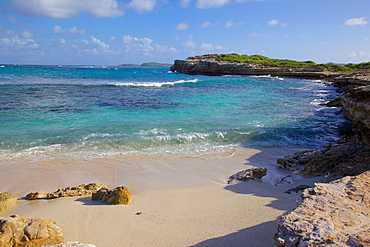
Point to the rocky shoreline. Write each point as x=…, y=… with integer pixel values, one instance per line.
x=328, y=214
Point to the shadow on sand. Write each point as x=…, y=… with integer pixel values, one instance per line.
x=261, y=235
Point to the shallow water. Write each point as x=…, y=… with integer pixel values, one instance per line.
x=89, y=112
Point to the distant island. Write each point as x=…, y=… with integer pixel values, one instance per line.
x=149, y=64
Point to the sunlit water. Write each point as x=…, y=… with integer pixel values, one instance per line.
x=88, y=112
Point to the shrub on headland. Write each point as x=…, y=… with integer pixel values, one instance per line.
x=285, y=63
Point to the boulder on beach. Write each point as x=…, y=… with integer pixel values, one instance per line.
x=7, y=200
x=81, y=190
x=255, y=173
x=119, y=195
x=18, y=232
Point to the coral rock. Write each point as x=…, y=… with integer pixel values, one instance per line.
x=81, y=190
x=7, y=200
x=119, y=195
x=329, y=214
x=18, y=232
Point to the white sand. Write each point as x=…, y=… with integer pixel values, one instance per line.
x=183, y=202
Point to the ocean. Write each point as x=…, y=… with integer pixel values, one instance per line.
x=86, y=112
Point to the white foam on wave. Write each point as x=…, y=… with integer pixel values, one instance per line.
x=152, y=84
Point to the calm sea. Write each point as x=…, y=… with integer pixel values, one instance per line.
x=88, y=112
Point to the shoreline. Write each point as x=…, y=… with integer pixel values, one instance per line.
x=184, y=201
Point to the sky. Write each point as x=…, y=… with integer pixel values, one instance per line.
x=112, y=32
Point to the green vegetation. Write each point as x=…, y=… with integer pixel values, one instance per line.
x=286, y=63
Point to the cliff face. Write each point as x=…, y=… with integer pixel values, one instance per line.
x=212, y=67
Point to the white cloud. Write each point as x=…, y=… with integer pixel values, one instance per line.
x=103, y=46
x=184, y=3
x=27, y=35
x=127, y=39
x=229, y=24
x=272, y=22
x=206, y=4
x=356, y=21
x=182, y=26
x=66, y=8
x=71, y=31
x=142, y=6
x=144, y=46
x=15, y=43
x=206, y=24
x=207, y=47
x=360, y=56
x=189, y=44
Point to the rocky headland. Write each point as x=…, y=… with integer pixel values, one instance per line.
x=328, y=214
x=211, y=66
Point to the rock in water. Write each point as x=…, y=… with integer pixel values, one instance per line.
x=7, y=200
x=81, y=190
x=119, y=195
x=254, y=173
x=329, y=214
x=18, y=232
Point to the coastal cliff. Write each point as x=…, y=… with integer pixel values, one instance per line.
x=210, y=66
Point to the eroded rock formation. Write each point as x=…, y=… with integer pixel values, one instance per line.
x=18, y=232
x=210, y=66
x=119, y=195
x=329, y=214
x=81, y=190
x=7, y=201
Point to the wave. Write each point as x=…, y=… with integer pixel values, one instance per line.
x=152, y=84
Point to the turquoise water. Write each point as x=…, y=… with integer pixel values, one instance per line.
x=88, y=112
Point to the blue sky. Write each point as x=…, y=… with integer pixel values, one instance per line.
x=111, y=32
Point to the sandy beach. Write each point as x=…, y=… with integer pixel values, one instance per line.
x=183, y=201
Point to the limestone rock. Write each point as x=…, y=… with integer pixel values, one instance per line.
x=346, y=157
x=254, y=173
x=70, y=244
x=7, y=200
x=208, y=65
x=119, y=195
x=329, y=214
x=81, y=190
x=18, y=232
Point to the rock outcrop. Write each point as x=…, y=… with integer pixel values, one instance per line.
x=18, y=232
x=255, y=173
x=119, y=195
x=351, y=154
x=7, y=201
x=81, y=190
x=329, y=214
x=70, y=244
x=210, y=66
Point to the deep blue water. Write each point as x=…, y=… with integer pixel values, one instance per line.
x=82, y=112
